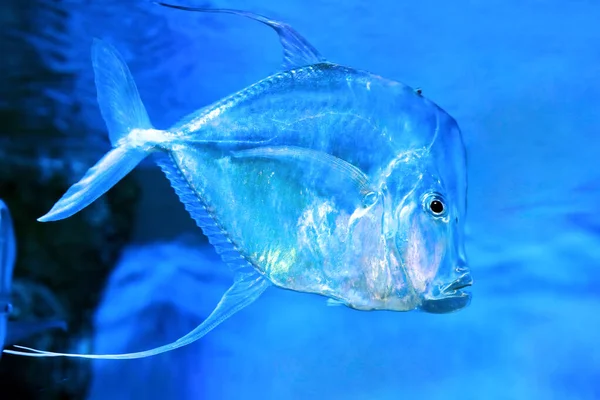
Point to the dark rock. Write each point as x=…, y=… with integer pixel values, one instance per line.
x=45, y=146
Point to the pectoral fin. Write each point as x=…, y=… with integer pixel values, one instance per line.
x=334, y=303
x=331, y=165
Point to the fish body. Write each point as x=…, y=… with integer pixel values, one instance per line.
x=298, y=230
x=320, y=179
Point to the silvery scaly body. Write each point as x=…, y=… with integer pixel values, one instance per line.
x=320, y=179
x=13, y=331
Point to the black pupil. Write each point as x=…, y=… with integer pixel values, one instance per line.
x=437, y=206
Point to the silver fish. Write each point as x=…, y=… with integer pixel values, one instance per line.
x=13, y=331
x=319, y=179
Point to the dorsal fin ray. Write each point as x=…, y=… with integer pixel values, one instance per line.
x=297, y=51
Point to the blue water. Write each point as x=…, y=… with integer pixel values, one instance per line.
x=522, y=78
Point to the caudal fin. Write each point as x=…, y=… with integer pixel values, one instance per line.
x=118, y=97
x=125, y=118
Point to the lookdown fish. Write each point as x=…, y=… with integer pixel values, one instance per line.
x=320, y=178
x=13, y=331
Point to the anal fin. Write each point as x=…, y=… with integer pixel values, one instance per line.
x=247, y=287
x=197, y=210
x=248, y=284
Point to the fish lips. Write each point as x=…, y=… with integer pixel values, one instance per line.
x=449, y=298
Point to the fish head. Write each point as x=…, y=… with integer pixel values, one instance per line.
x=428, y=208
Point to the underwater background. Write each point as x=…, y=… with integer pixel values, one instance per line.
x=132, y=271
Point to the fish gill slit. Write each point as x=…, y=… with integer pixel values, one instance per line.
x=205, y=219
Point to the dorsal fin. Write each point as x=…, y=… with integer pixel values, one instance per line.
x=297, y=51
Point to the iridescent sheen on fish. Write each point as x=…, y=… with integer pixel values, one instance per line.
x=320, y=179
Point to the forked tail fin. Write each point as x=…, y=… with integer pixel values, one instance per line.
x=131, y=133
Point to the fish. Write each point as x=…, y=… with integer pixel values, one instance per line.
x=320, y=178
x=14, y=331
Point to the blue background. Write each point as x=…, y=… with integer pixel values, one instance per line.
x=522, y=80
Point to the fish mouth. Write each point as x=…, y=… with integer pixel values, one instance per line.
x=456, y=286
x=450, y=297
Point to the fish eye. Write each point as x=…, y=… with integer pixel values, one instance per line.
x=434, y=203
x=436, y=207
